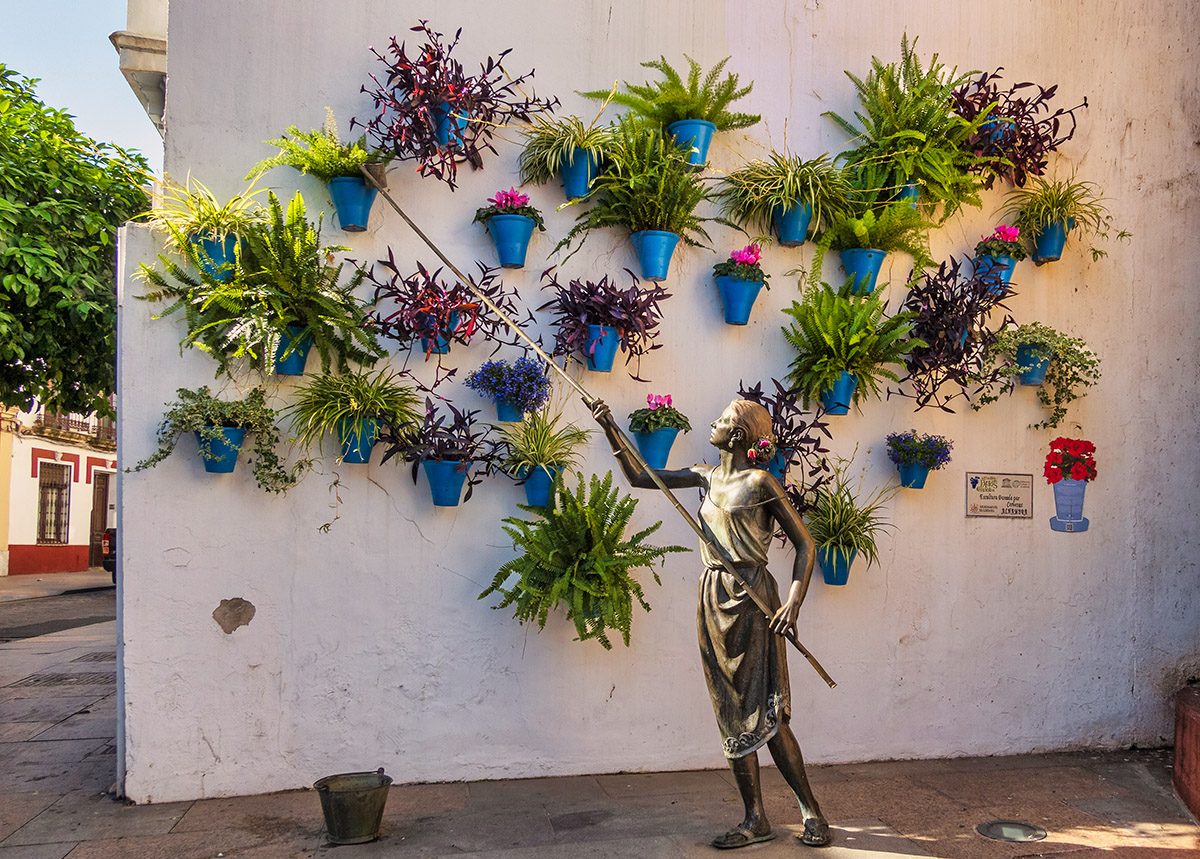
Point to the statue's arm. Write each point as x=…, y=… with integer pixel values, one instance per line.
x=639, y=478
x=798, y=535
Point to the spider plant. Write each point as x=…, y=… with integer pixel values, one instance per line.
x=338, y=403
x=845, y=517
x=191, y=211
x=539, y=441
x=1076, y=203
x=551, y=143
x=749, y=196
x=647, y=185
x=674, y=99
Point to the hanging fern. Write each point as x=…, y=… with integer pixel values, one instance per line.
x=577, y=555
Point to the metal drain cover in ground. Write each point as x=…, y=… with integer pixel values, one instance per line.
x=1010, y=830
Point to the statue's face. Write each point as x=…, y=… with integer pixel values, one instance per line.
x=723, y=430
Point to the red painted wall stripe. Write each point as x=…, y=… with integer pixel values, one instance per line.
x=40, y=453
x=31, y=560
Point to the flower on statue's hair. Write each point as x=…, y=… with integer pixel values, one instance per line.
x=751, y=454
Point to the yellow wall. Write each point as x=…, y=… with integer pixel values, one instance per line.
x=7, y=423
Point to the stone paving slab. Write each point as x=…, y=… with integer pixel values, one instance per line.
x=43, y=708
x=37, y=851
x=95, y=817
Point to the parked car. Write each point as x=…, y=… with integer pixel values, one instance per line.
x=108, y=550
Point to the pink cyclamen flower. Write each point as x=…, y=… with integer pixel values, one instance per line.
x=749, y=255
x=510, y=199
x=652, y=401
x=1007, y=234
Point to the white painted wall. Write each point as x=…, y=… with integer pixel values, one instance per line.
x=24, y=491
x=975, y=637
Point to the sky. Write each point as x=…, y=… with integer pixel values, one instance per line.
x=65, y=43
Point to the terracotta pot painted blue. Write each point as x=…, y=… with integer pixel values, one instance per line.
x=442, y=346
x=511, y=234
x=837, y=399
x=654, y=249
x=999, y=128
x=224, y=451
x=445, y=480
x=292, y=354
x=655, y=446
x=540, y=484
x=737, y=297
x=1068, y=506
x=908, y=193
x=352, y=199
x=792, y=224
x=445, y=119
x=835, y=563
x=507, y=412
x=1000, y=268
x=1029, y=356
x=912, y=476
x=863, y=264
x=694, y=135
x=603, y=343
x=217, y=257
x=1050, y=241
x=357, y=439
x=577, y=175
x=778, y=463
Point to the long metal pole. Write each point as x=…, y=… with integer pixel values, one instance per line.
x=628, y=447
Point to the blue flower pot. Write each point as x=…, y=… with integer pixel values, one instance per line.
x=909, y=193
x=778, y=463
x=445, y=119
x=1050, y=241
x=352, y=199
x=999, y=128
x=507, y=412
x=1068, y=506
x=792, y=224
x=1028, y=356
x=603, y=343
x=540, y=484
x=912, y=476
x=694, y=135
x=292, y=354
x=511, y=234
x=737, y=297
x=445, y=480
x=999, y=268
x=835, y=563
x=655, y=446
x=442, y=346
x=216, y=257
x=837, y=399
x=224, y=451
x=863, y=265
x=654, y=249
x=577, y=175
x=357, y=439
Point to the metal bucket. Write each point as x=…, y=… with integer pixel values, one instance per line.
x=353, y=805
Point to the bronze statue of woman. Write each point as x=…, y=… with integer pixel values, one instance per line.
x=745, y=660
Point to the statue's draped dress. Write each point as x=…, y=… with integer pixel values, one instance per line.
x=745, y=663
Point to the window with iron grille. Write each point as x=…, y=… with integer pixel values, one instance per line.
x=54, y=502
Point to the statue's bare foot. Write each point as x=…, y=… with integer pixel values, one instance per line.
x=816, y=833
x=745, y=833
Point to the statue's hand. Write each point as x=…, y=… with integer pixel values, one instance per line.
x=603, y=414
x=784, y=620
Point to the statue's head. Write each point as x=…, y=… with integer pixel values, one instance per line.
x=743, y=424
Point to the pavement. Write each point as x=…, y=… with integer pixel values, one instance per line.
x=58, y=765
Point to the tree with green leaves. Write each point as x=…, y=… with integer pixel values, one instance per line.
x=62, y=197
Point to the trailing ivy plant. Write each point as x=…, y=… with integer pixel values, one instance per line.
x=576, y=554
x=749, y=195
x=798, y=436
x=896, y=227
x=412, y=94
x=950, y=309
x=634, y=311
x=1073, y=368
x=674, y=98
x=836, y=331
x=647, y=184
x=911, y=135
x=283, y=278
x=319, y=152
x=1016, y=138
x=200, y=412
